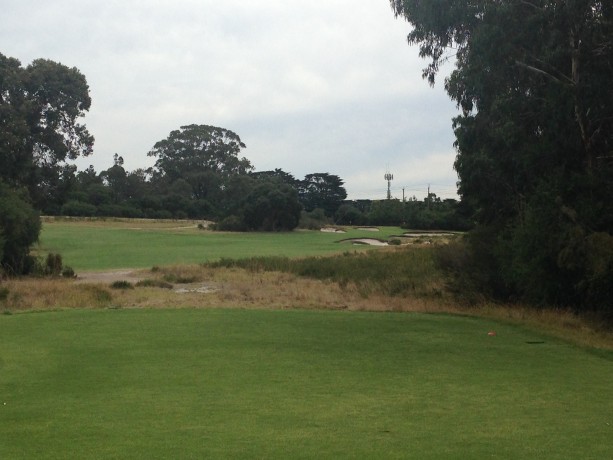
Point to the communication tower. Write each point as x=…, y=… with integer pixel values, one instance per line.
x=389, y=177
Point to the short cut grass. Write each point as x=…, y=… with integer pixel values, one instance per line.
x=295, y=384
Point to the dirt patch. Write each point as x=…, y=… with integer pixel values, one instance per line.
x=132, y=276
x=198, y=289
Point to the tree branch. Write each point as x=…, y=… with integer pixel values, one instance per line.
x=536, y=7
x=543, y=72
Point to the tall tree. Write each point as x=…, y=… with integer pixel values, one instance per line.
x=194, y=149
x=40, y=110
x=535, y=137
x=276, y=175
x=322, y=190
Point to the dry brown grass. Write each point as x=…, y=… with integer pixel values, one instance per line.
x=199, y=287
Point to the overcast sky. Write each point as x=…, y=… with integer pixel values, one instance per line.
x=318, y=86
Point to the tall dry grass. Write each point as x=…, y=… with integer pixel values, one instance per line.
x=410, y=289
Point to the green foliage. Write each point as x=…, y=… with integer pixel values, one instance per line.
x=347, y=214
x=4, y=293
x=272, y=207
x=322, y=190
x=199, y=149
x=179, y=278
x=19, y=229
x=40, y=106
x=122, y=285
x=53, y=264
x=471, y=274
x=534, y=140
x=231, y=224
x=387, y=212
x=78, y=209
x=154, y=283
x=68, y=272
x=278, y=176
x=314, y=220
x=430, y=214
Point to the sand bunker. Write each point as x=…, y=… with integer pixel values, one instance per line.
x=368, y=229
x=425, y=234
x=369, y=241
x=332, y=230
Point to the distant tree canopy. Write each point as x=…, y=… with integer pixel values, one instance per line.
x=194, y=149
x=322, y=190
x=272, y=207
x=431, y=213
x=534, y=139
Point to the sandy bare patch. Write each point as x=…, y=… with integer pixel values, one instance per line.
x=108, y=277
x=198, y=289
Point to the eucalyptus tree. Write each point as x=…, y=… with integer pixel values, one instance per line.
x=534, y=138
x=41, y=107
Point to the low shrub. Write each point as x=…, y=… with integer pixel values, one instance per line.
x=122, y=285
x=53, y=264
x=179, y=279
x=181, y=274
x=231, y=224
x=314, y=220
x=154, y=283
x=97, y=296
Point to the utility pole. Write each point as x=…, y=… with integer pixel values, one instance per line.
x=428, y=197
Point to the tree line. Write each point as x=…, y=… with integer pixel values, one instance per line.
x=199, y=173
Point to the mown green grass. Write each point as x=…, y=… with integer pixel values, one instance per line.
x=295, y=384
x=98, y=247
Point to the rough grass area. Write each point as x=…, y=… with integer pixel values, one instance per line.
x=403, y=271
x=295, y=384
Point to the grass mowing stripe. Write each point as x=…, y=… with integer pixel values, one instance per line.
x=249, y=383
